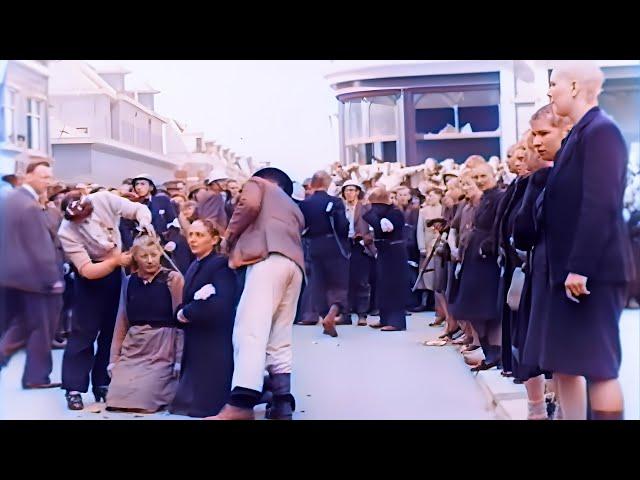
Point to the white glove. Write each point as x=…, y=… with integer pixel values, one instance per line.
x=386, y=225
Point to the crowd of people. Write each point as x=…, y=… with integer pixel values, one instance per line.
x=191, y=291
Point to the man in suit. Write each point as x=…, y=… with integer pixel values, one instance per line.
x=327, y=231
x=588, y=250
x=212, y=200
x=162, y=210
x=264, y=235
x=32, y=275
x=362, y=251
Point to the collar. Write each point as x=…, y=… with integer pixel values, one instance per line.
x=30, y=189
x=585, y=120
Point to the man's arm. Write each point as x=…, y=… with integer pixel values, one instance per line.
x=246, y=211
x=122, y=207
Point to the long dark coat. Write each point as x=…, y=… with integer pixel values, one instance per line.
x=391, y=264
x=207, y=364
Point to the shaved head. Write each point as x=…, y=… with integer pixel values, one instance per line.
x=574, y=88
x=587, y=74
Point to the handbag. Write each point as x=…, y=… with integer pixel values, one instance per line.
x=515, y=289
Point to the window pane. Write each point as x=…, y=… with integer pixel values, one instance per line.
x=33, y=133
x=353, y=117
x=34, y=106
x=8, y=122
x=382, y=116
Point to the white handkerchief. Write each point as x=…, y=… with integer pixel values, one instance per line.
x=161, y=212
x=386, y=225
x=205, y=292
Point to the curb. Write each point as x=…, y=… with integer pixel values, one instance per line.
x=509, y=400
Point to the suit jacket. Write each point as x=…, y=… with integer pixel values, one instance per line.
x=362, y=228
x=583, y=225
x=162, y=211
x=316, y=218
x=377, y=212
x=265, y=220
x=28, y=256
x=213, y=208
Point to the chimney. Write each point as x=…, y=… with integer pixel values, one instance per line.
x=114, y=76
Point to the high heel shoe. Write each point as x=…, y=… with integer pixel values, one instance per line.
x=100, y=393
x=74, y=401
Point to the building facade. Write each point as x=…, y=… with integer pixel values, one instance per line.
x=101, y=131
x=413, y=110
x=24, y=115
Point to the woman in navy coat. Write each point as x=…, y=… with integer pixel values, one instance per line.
x=207, y=315
x=391, y=264
x=588, y=249
x=477, y=296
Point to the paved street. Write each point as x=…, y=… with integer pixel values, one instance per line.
x=362, y=374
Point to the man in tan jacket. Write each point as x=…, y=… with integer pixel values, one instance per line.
x=264, y=234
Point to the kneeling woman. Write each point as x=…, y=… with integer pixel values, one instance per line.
x=207, y=315
x=147, y=347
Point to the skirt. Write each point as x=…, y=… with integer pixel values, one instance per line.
x=144, y=378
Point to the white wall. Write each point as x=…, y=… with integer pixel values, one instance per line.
x=27, y=84
x=274, y=111
x=76, y=113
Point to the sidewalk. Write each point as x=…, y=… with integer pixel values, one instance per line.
x=510, y=400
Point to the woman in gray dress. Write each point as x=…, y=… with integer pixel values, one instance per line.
x=147, y=347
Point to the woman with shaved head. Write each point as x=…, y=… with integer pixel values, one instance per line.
x=588, y=251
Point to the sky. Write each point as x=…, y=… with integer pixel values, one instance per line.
x=273, y=111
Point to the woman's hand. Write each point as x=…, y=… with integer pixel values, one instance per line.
x=181, y=317
x=575, y=285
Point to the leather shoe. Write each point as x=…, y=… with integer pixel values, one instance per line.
x=41, y=386
x=329, y=322
x=376, y=325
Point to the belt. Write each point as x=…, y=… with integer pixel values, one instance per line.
x=394, y=242
x=326, y=235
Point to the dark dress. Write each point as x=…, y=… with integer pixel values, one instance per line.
x=146, y=347
x=478, y=291
x=207, y=363
x=585, y=233
x=391, y=264
x=525, y=342
x=453, y=283
x=509, y=261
